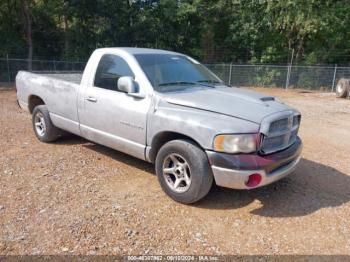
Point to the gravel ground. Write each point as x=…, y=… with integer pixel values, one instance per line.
x=76, y=197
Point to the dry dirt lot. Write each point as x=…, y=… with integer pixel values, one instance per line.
x=76, y=197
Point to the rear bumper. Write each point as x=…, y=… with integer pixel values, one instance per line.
x=233, y=171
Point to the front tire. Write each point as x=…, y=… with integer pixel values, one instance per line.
x=183, y=171
x=43, y=127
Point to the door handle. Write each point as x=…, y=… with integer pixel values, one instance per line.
x=91, y=99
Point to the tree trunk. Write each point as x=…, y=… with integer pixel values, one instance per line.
x=208, y=43
x=131, y=22
x=131, y=39
x=28, y=29
x=300, y=48
x=66, y=27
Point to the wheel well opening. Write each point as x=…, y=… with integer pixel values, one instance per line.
x=33, y=102
x=163, y=138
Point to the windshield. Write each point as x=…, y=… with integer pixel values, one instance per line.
x=168, y=72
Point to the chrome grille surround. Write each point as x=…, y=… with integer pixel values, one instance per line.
x=279, y=131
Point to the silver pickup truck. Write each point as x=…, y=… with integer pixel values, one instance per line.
x=166, y=108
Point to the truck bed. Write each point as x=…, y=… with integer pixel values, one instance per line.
x=58, y=91
x=69, y=77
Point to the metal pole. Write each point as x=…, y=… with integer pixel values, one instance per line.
x=334, y=75
x=8, y=68
x=287, y=79
x=289, y=69
x=229, y=81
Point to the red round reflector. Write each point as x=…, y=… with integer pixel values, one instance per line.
x=254, y=180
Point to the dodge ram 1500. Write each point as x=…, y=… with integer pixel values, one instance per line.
x=168, y=109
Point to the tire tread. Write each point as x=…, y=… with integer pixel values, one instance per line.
x=52, y=132
x=203, y=180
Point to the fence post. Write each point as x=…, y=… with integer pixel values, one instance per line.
x=289, y=69
x=334, y=76
x=229, y=80
x=288, y=75
x=8, y=68
x=54, y=66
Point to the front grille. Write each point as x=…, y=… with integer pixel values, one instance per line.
x=281, y=134
x=293, y=137
x=279, y=125
x=296, y=120
x=271, y=144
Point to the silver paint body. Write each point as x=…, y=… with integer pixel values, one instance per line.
x=130, y=124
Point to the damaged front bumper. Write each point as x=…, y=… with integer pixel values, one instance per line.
x=235, y=171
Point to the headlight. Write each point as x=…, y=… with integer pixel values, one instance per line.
x=245, y=143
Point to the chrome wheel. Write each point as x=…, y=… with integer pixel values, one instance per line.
x=177, y=173
x=39, y=122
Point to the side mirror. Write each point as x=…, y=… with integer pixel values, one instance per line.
x=127, y=84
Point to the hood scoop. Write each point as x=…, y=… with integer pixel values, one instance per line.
x=267, y=99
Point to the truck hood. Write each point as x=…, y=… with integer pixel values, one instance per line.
x=235, y=102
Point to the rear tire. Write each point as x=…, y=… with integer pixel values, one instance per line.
x=43, y=127
x=343, y=88
x=184, y=161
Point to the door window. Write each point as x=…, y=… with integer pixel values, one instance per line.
x=109, y=70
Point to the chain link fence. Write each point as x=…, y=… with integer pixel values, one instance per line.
x=321, y=78
x=9, y=67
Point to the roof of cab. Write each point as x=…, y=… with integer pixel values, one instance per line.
x=134, y=50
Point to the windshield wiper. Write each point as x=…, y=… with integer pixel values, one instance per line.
x=177, y=83
x=208, y=81
x=200, y=82
x=204, y=81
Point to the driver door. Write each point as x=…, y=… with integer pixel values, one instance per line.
x=111, y=117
